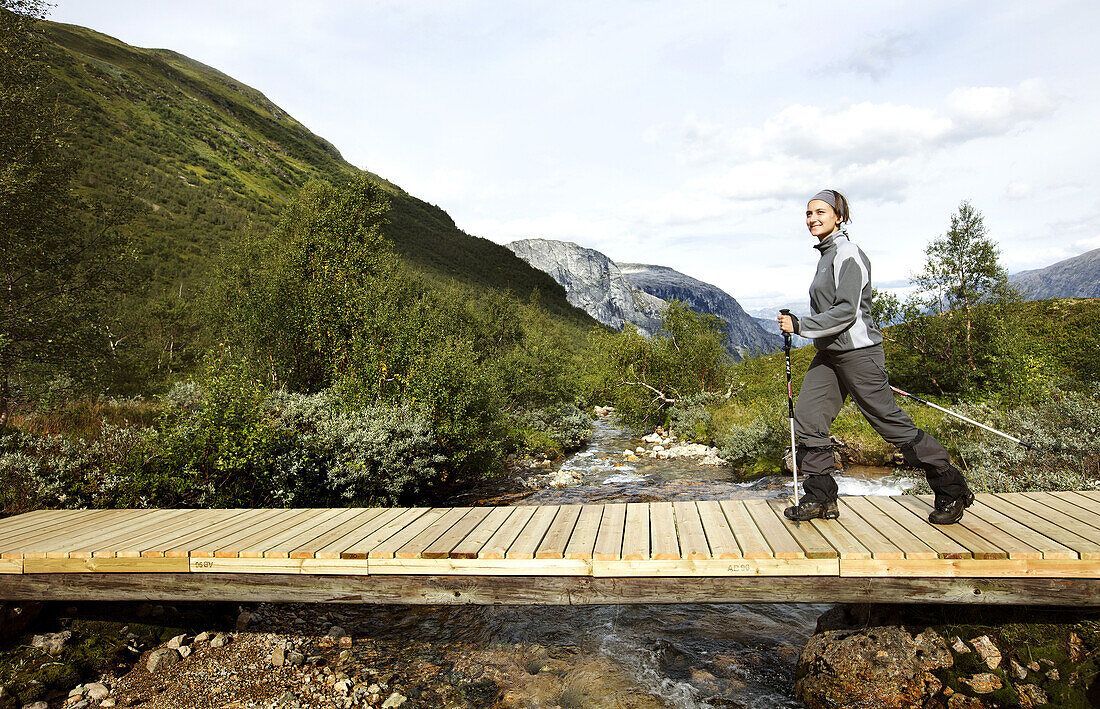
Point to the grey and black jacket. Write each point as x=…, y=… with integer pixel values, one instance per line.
x=840, y=298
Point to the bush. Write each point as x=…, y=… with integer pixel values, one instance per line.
x=381, y=453
x=553, y=431
x=692, y=418
x=1064, y=427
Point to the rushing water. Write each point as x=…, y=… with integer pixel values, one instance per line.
x=688, y=655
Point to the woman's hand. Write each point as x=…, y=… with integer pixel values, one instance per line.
x=785, y=323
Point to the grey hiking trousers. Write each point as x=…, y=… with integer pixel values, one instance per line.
x=861, y=374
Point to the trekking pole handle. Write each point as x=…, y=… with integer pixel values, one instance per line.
x=786, y=335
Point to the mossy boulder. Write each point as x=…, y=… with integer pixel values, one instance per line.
x=950, y=657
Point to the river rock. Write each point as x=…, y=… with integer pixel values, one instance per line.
x=96, y=691
x=175, y=642
x=37, y=705
x=219, y=640
x=1018, y=671
x=984, y=683
x=989, y=653
x=849, y=663
x=52, y=643
x=161, y=658
x=1032, y=695
x=394, y=700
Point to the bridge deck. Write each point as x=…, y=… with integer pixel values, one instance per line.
x=1045, y=536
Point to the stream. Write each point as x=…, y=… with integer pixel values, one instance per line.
x=684, y=656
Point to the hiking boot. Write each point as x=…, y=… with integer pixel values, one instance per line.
x=812, y=509
x=951, y=511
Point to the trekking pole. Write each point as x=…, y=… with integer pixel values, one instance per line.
x=1025, y=444
x=790, y=407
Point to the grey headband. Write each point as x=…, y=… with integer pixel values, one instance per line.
x=826, y=196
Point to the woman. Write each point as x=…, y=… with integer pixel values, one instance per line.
x=850, y=362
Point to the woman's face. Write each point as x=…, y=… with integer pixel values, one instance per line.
x=821, y=220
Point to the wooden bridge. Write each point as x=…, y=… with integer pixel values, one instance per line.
x=1036, y=548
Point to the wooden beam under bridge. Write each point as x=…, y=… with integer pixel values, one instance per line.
x=545, y=590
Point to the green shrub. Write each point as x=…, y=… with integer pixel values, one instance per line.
x=692, y=418
x=1063, y=426
x=381, y=453
x=553, y=431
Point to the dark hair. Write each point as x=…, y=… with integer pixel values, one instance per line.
x=841, y=209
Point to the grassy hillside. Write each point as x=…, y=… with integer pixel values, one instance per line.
x=209, y=158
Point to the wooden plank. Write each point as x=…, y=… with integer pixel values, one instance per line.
x=442, y=547
x=557, y=536
x=25, y=519
x=978, y=545
x=256, y=546
x=609, y=540
x=1051, y=509
x=126, y=521
x=76, y=533
x=1046, y=546
x=47, y=521
x=476, y=540
x=1067, y=509
x=662, y=531
x=1064, y=569
x=697, y=569
x=944, y=546
x=11, y=566
x=94, y=566
x=899, y=536
x=333, y=518
x=181, y=545
x=808, y=537
x=531, y=535
x=228, y=544
x=252, y=546
x=152, y=544
x=331, y=543
x=867, y=536
x=779, y=538
x=148, y=525
x=583, y=540
x=497, y=546
x=15, y=547
x=1081, y=500
x=245, y=565
x=636, y=531
x=720, y=539
x=550, y=590
x=415, y=546
x=838, y=536
x=749, y=538
x=1085, y=548
x=398, y=538
x=689, y=530
x=478, y=566
x=380, y=529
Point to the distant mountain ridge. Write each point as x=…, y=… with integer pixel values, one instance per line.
x=1076, y=277
x=746, y=337
x=616, y=294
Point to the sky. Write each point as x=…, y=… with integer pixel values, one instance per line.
x=681, y=133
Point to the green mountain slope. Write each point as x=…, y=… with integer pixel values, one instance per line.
x=209, y=158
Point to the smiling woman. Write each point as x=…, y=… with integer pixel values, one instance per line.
x=850, y=362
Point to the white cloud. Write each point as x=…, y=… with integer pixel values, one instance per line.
x=865, y=132
x=994, y=110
